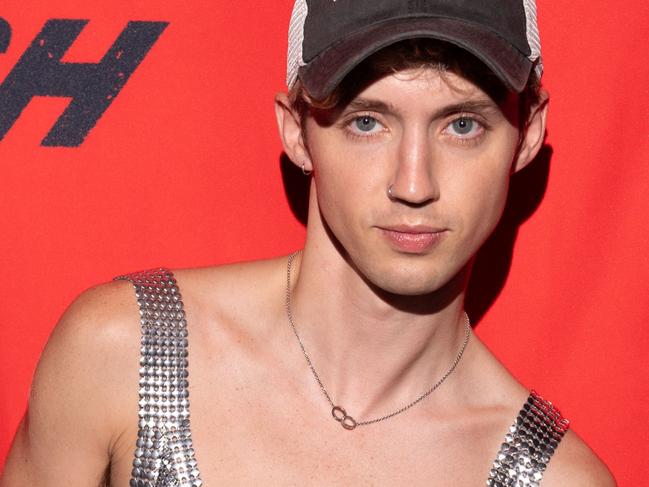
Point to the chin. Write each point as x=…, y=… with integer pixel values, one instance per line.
x=411, y=280
x=409, y=288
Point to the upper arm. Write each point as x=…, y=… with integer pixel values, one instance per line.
x=575, y=465
x=84, y=389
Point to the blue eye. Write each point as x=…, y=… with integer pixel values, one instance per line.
x=365, y=123
x=463, y=126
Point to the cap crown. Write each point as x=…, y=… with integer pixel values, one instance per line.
x=318, y=24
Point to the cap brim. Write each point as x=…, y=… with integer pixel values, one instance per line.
x=321, y=75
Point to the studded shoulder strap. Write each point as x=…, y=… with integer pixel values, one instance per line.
x=164, y=454
x=529, y=445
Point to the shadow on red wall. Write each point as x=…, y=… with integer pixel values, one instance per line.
x=493, y=262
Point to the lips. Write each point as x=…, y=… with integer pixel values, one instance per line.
x=413, y=239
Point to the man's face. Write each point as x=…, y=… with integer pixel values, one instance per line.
x=411, y=176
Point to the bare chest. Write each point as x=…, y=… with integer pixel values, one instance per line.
x=321, y=463
x=251, y=424
x=277, y=441
x=240, y=439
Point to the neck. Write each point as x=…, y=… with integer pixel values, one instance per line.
x=374, y=351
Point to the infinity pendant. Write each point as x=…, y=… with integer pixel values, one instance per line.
x=346, y=421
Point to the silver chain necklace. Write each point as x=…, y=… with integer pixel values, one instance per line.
x=339, y=413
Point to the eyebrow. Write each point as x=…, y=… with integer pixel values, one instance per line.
x=479, y=105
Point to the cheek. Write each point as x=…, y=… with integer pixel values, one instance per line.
x=348, y=182
x=345, y=200
x=478, y=191
x=488, y=208
x=333, y=180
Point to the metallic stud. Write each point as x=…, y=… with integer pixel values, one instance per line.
x=164, y=453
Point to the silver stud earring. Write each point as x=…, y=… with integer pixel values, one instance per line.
x=305, y=171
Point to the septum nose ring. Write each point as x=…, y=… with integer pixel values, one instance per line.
x=390, y=195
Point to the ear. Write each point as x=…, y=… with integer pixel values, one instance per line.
x=291, y=133
x=533, y=133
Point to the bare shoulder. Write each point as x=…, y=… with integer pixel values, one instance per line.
x=91, y=353
x=101, y=325
x=104, y=312
x=229, y=279
x=83, y=394
x=234, y=291
x=574, y=464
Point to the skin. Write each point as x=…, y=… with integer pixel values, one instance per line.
x=380, y=323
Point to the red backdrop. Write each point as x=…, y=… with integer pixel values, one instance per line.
x=183, y=169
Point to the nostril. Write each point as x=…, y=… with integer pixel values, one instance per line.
x=412, y=197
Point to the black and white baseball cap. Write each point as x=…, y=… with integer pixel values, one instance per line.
x=328, y=38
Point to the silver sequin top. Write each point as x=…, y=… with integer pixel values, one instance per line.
x=164, y=454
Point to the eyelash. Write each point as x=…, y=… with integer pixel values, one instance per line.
x=468, y=140
x=357, y=136
x=482, y=126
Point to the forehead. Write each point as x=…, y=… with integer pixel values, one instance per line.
x=423, y=88
x=432, y=81
x=420, y=93
x=429, y=61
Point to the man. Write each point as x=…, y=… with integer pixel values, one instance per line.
x=351, y=362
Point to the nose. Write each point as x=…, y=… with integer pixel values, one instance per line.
x=414, y=182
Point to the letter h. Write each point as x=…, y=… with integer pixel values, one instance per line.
x=92, y=86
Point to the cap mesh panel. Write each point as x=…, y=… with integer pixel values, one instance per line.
x=294, y=57
x=533, y=38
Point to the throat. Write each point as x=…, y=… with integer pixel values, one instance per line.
x=374, y=370
x=348, y=422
